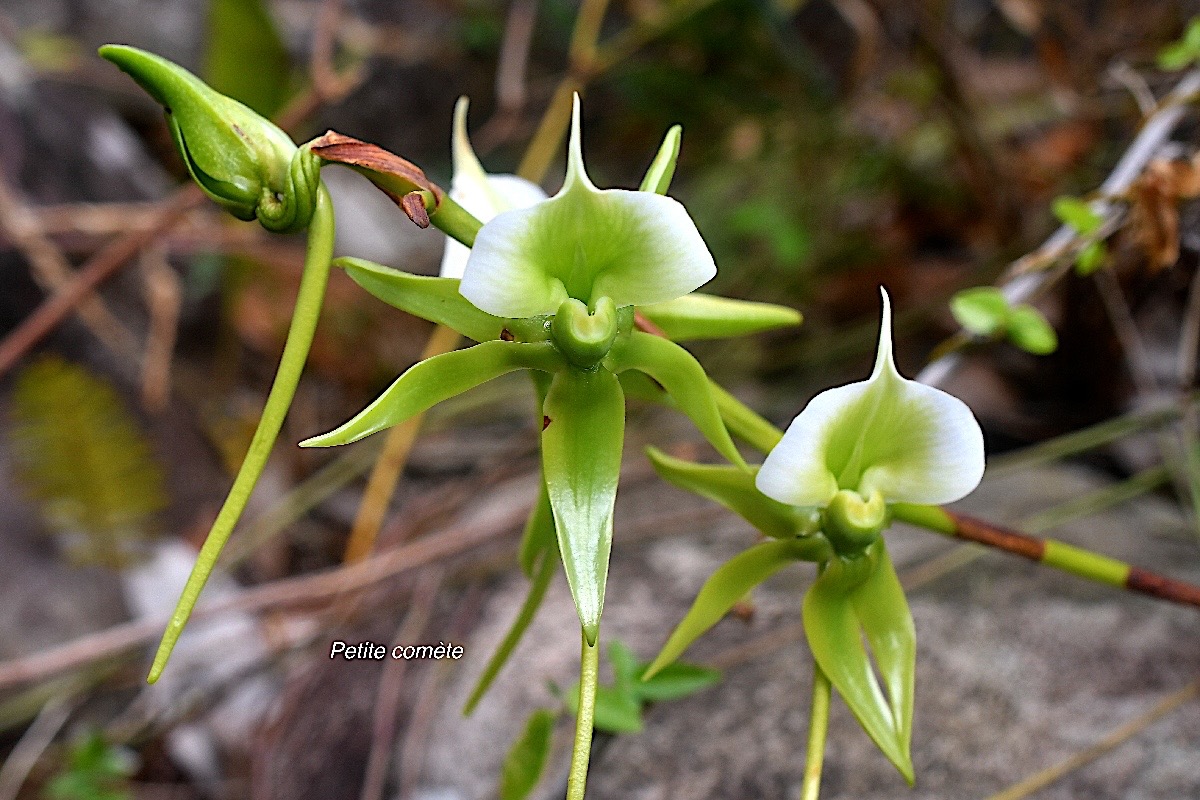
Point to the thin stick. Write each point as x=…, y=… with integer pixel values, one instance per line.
x=289, y=591
x=818, y=727
x=387, y=698
x=36, y=739
x=99, y=268
x=1022, y=283
x=1122, y=734
x=581, y=752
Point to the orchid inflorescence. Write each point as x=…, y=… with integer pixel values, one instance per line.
x=568, y=288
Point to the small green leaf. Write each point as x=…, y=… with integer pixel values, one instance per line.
x=677, y=371
x=583, y=430
x=436, y=379
x=1091, y=258
x=662, y=168
x=625, y=668
x=246, y=59
x=527, y=759
x=734, y=488
x=1030, y=331
x=1077, y=213
x=616, y=712
x=835, y=631
x=675, y=681
x=725, y=587
x=539, y=583
x=435, y=299
x=1182, y=53
x=706, y=316
x=982, y=310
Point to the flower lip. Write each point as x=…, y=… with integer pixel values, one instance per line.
x=910, y=442
x=631, y=246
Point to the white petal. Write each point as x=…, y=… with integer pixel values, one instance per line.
x=913, y=443
x=634, y=247
x=483, y=195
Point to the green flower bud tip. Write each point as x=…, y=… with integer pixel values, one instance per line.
x=241, y=160
x=887, y=435
x=585, y=243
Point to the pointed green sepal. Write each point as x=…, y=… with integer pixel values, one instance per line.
x=241, y=160
x=677, y=371
x=856, y=598
x=439, y=378
x=662, y=168
x=734, y=488
x=726, y=586
x=435, y=299
x=706, y=316
x=583, y=430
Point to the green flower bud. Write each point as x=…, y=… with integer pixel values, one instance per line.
x=851, y=523
x=241, y=160
x=585, y=337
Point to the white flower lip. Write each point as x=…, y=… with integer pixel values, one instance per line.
x=910, y=442
x=633, y=247
x=483, y=195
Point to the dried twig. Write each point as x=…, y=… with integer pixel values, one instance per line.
x=28, y=750
x=387, y=698
x=1025, y=275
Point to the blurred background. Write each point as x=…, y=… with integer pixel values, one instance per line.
x=829, y=146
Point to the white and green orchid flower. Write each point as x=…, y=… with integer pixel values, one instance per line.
x=480, y=193
x=884, y=440
x=823, y=495
x=585, y=243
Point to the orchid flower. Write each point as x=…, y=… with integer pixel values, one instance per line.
x=480, y=193
x=551, y=288
x=857, y=448
x=823, y=495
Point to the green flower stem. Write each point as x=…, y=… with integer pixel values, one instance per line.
x=760, y=434
x=818, y=727
x=450, y=218
x=291, y=364
x=589, y=673
x=1052, y=553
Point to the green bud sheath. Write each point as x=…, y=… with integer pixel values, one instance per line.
x=241, y=160
x=851, y=523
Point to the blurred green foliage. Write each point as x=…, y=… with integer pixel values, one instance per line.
x=81, y=455
x=94, y=770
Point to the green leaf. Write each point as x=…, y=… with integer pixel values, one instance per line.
x=677, y=371
x=1030, y=331
x=583, y=430
x=662, y=168
x=1182, y=53
x=725, y=587
x=675, y=681
x=435, y=299
x=706, y=316
x=1077, y=213
x=538, y=536
x=527, y=759
x=539, y=583
x=982, y=310
x=835, y=621
x=616, y=712
x=625, y=668
x=1091, y=258
x=246, y=59
x=734, y=488
x=436, y=379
